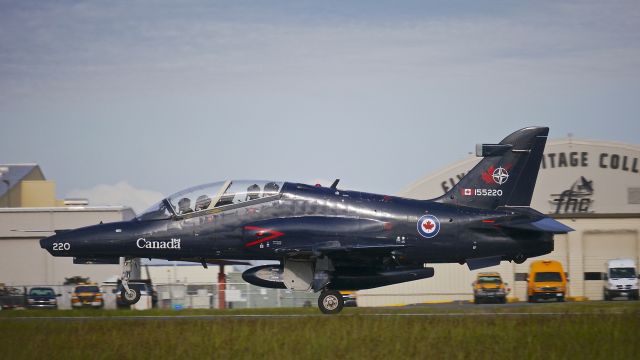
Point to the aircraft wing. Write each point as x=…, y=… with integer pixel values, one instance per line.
x=211, y=261
x=349, y=253
x=382, y=248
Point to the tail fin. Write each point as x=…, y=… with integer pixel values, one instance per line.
x=507, y=174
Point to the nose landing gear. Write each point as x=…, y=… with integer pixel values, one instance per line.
x=128, y=295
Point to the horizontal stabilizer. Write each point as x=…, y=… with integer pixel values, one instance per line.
x=34, y=231
x=545, y=224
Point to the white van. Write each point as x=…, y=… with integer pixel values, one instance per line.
x=621, y=279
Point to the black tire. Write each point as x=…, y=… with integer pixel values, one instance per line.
x=476, y=300
x=531, y=299
x=606, y=296
x=130, y=298
x=503, y=300
x=330, y=302
x=561, y=298
x=519, y=258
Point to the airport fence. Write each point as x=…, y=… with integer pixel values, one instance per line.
x=14, y=296
x=177, y=296
x=236, y=295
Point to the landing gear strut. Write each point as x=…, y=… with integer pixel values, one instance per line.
x=128, y=295
x=330, y=302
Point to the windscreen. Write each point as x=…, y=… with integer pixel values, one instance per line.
x=623, y=273
x=87, y=288
x=41, y=292
x=548, y=277
x=158, y=211
x=489, y=280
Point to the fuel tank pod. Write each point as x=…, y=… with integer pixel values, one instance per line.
x=268, y=276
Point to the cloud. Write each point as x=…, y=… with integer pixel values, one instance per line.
x=208, y=51
x=377, y=95
x=122, y=193
x=92, y=38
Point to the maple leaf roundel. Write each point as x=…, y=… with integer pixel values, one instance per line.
x=428, y=226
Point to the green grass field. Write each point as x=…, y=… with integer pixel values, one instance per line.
x=580, y=330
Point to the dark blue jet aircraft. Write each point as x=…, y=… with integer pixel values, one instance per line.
x=327, y=239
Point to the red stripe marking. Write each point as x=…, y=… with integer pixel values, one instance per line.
x=488, y=221
x=261, y=231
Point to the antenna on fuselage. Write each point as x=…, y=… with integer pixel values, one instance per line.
x=335, y=184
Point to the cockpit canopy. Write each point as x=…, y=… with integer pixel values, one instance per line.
x=213, y=195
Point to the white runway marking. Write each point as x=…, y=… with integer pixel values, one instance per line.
x=286, y=316
x=490, y=314
x=160, y=317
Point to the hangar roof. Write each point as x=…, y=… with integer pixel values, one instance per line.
x=12, y=174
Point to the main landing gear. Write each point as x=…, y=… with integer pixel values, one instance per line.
x=128, y=295
x=330, y=302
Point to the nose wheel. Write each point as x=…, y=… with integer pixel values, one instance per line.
x=128, y=295
x=330, y=302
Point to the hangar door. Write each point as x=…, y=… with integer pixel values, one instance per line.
x=559, y=253
x=600, y=247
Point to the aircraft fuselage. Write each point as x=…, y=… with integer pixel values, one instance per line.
x=327, y=239
x=303, y=218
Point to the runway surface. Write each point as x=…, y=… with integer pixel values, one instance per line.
x=456, y=309
x=285, y=316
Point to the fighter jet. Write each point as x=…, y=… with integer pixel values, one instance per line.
x=326, y=239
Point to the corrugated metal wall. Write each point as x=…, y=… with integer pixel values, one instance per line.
x=595, y=241
x=600, y=247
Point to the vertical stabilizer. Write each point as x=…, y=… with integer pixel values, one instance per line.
x=506, y=176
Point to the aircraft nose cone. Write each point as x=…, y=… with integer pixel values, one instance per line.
x=47, y=242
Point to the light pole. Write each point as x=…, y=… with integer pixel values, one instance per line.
x=8, y=190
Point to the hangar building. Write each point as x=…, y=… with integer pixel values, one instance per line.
x=29, y=211
x=591, y=186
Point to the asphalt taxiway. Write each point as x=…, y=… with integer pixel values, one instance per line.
x=454, y=309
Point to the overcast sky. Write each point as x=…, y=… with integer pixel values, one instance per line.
x=127, y=101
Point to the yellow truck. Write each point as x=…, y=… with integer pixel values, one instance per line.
x=546, y=281
x=489, y=287
x=87, y=295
